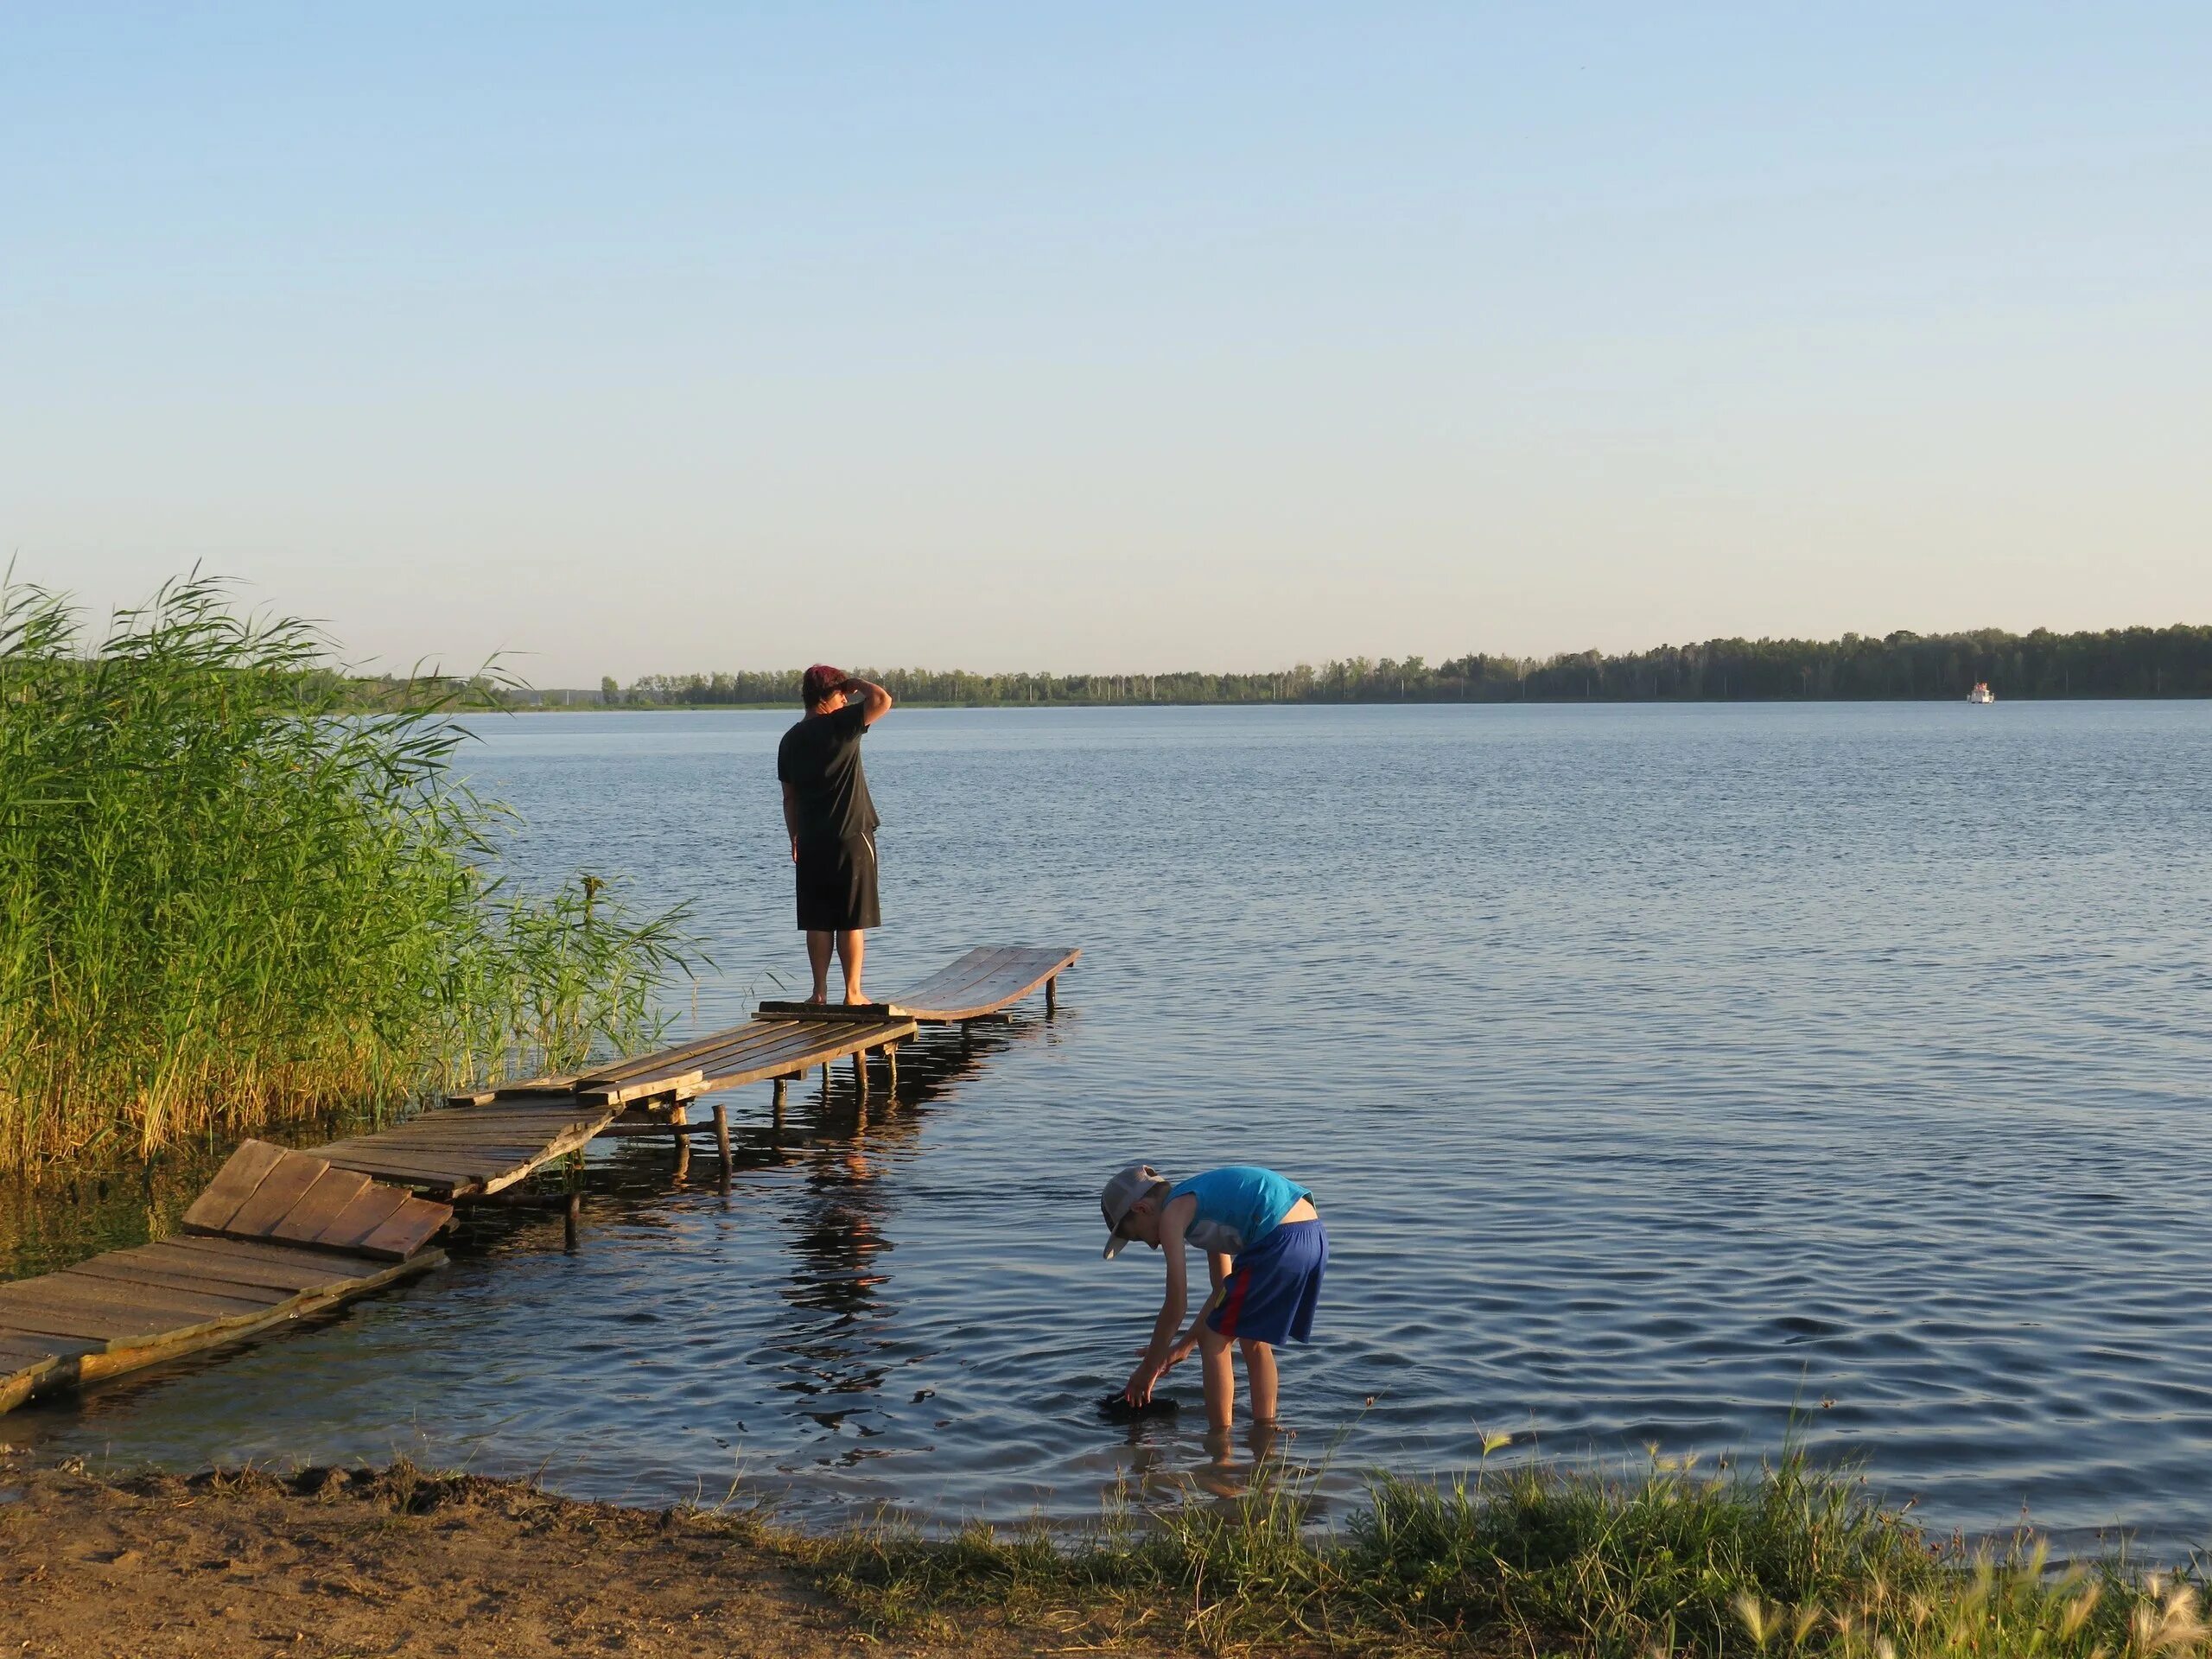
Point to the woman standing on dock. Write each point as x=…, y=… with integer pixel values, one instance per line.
x=832, y=821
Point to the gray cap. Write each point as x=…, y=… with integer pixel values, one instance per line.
x=1121, y=1195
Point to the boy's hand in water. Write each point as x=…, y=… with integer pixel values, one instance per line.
x=1138, y=1389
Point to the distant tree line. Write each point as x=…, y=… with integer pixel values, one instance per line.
x=2172, y=662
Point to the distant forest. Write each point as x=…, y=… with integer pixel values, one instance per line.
x=2173, y=662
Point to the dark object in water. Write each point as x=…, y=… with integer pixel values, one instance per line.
x=1117, y=1407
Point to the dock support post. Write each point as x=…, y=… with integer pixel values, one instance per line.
x=1052, y=995
x=683, y=1153
x=783, y=1093
x=721, y=1139
x=891, y=1061
x=568, y=1219
x=859, y=1073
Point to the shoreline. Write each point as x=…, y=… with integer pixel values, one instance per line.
x=1784, y=1562
x=332, y=1562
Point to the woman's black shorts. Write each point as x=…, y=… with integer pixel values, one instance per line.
x=837, y=884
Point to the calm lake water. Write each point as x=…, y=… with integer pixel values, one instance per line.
x=1662, y=1073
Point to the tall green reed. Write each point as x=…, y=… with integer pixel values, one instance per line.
x=223, y=902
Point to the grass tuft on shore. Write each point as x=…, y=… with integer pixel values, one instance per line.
x=1789, y=1559
x=225, y=902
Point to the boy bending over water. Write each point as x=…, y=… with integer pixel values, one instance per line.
x=1267, y=1248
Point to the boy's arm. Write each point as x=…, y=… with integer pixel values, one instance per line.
x=1218, y=1268
x=1159, y=1352
x=791, y=818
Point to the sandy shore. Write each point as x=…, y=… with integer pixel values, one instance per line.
x=334, y=1563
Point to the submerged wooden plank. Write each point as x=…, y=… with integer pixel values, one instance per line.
x=233, y=1185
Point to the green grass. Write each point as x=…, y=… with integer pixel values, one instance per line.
x=1786, y=1560
x=224, y=903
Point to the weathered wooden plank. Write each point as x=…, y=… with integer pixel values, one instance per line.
x=281, y=1188
x=202, y=1299
x=362, y=1217
x=90, y=1324
x=233, y=1185
x=407, y=1229
x=831, y=1012
x=19, y=1348
x=71, y=1290
x=333, y=1269
x=986, y=980
x=319, y=1205
x=949, y=984
x=178, y=1278
x=261, y=1252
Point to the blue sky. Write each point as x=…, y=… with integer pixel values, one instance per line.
x=644, y=337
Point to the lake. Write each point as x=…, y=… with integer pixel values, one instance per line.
x=1676, y=1076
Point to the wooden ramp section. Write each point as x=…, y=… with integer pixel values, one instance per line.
x=469, y=1151
x=277, y=1235
x=752, y=1052
x=988, y=979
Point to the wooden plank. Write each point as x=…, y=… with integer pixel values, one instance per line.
x=831, y=1011
x=407, y=1231
x=363, y=1217
x=281, y=1188
x=443, y=1184
x=107, y=1267
x=100, y=1345
x=642, y=1087
x=986, y=980
x=993, y=978
x=19, y=1348
x=233, y=1185
x=202, y=1299
x=951, y=983
x=246, y=1270
x=69, y=1290
x=319, y=1205
x=91, y=1325
x=660, y=1059
x=244, y=1253
x=826, y=1043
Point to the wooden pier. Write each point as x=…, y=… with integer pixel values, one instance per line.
x=463, y=1152
x=989, y=980
x=276, y=1237
x=280, y=1235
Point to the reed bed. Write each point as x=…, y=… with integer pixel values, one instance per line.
x=226, y=903
x=1786, y=1560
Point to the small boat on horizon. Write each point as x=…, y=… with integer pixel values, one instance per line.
x=1981, y=693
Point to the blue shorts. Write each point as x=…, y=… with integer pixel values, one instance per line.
x=1270, y=1293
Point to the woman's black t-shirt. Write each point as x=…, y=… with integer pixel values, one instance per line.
x=820, y=759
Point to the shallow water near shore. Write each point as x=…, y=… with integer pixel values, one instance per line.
x=1664, y=1074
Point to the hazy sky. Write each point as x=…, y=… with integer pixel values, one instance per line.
x=639, y=337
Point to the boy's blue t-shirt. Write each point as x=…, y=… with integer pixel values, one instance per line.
x=1238, y=1206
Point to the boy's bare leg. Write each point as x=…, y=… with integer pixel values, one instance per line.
x=819, y=940
x=852, y=945
x=1260, y=1378
x=1220, y=1374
